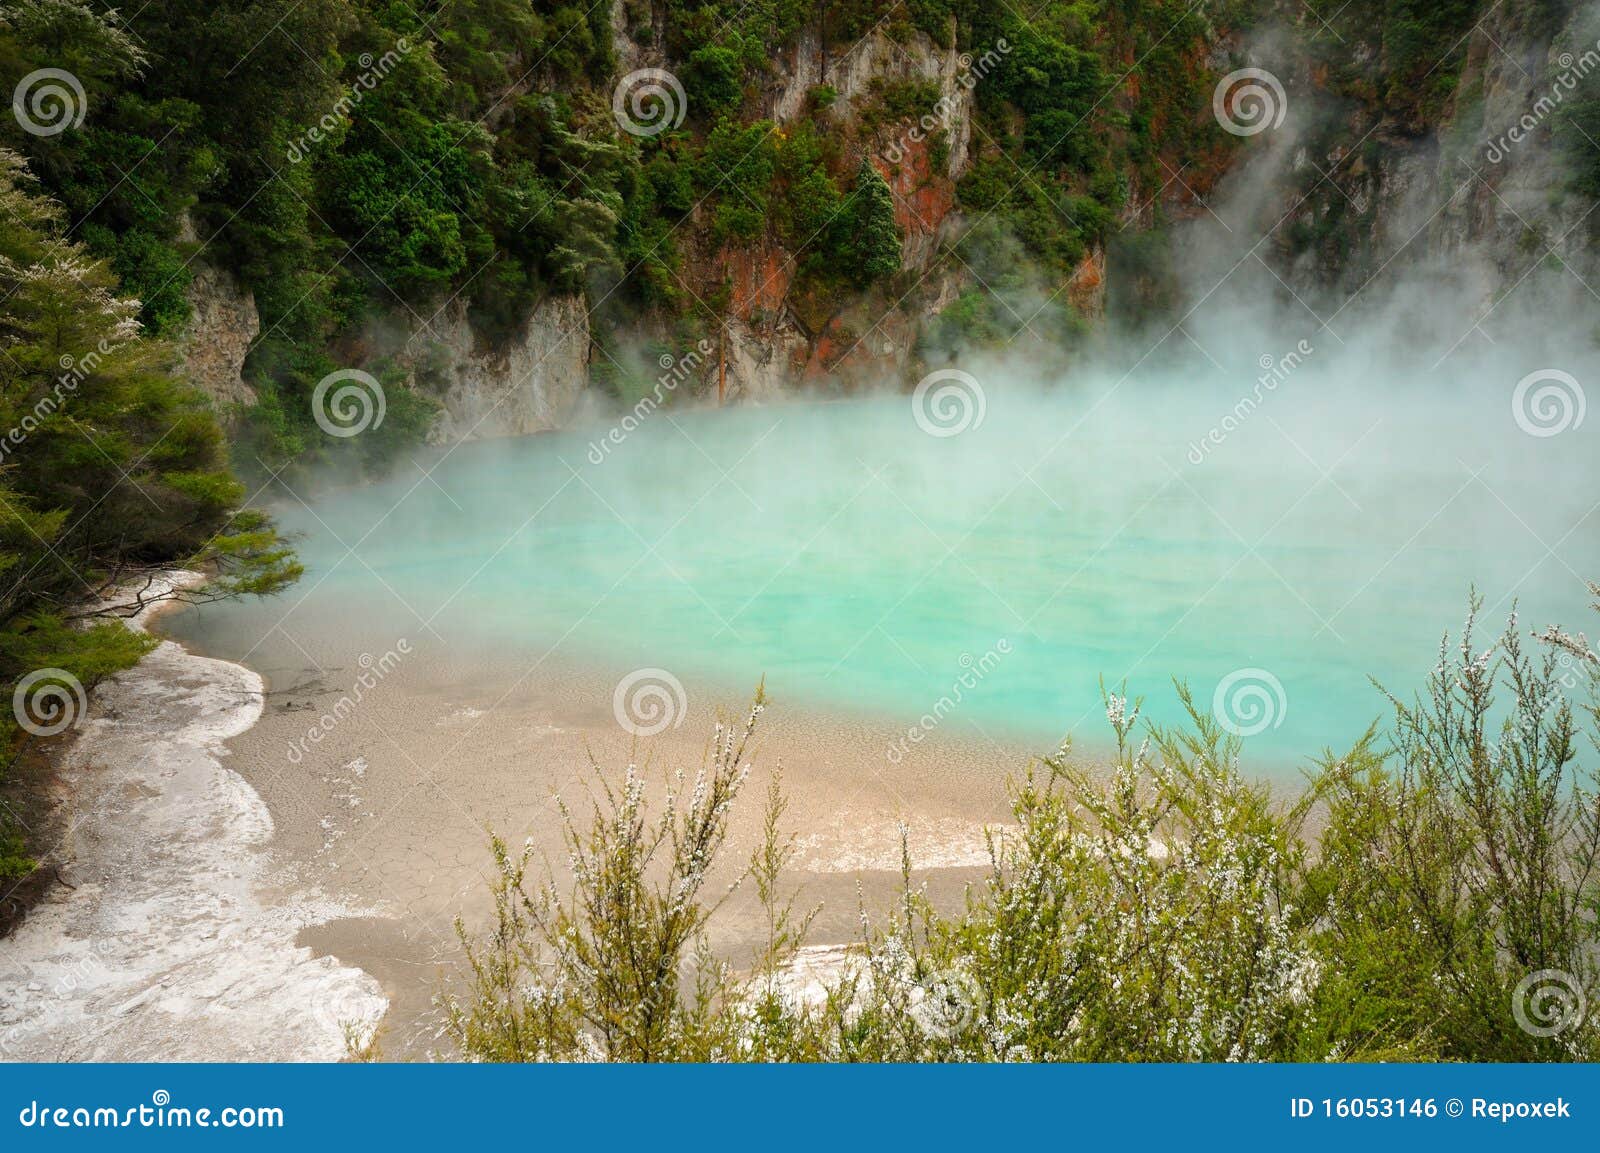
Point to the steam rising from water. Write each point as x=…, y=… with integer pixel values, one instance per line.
x=1320, y=519
x=1274, y=494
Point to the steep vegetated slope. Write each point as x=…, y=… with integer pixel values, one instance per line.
x=492, y=206
x=467, y=201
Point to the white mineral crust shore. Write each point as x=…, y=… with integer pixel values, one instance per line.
x=178, y=942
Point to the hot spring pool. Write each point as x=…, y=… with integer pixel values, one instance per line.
x=862, y=564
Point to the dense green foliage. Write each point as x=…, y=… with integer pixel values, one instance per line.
x=358, y=162
x=875, y=243
x=335, y=155
x=1432, y=896
x=111, y=467
x=1110, y=97
x=362, y=163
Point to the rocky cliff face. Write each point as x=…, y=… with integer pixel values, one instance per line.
x=529, y=384
x=779, y=331
x=775, y=339
x=222, y=323
x=779, y=338
x=852, y=75
x=1484, y=188
x=1365, y=181
x=1514, y=198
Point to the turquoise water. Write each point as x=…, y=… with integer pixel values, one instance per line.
x=860, y=563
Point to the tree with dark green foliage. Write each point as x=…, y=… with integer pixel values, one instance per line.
x=735, y=172
x=429, y=175
x=875, y=238
x=712, y=81
x=111, y=467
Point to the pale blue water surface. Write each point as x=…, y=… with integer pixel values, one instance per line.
x=861, y=564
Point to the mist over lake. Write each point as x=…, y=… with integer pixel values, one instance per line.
x=1000, y=549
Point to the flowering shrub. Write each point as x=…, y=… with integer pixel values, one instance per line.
x=1430, y=897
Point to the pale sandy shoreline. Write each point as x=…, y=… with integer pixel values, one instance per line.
x=232, y=899
x=392, y=808
x=266, y=890
x=173, y=939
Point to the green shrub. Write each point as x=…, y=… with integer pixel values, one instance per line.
x=712, y=80
x=1162, y=906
